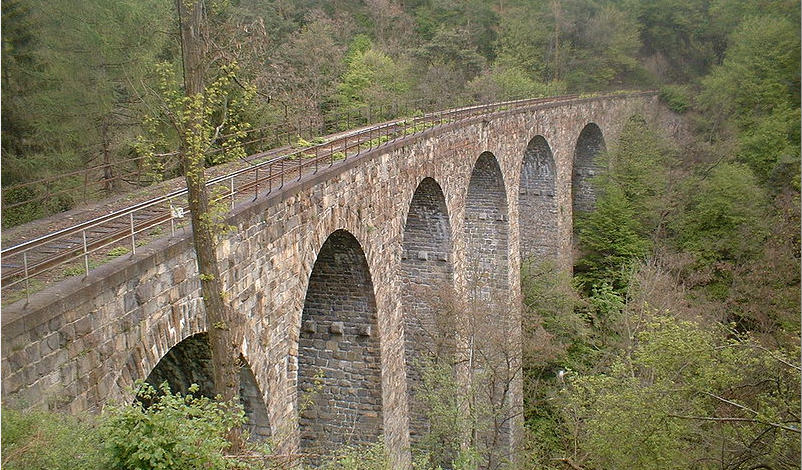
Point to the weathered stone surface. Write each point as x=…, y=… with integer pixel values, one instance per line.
x=426, y=194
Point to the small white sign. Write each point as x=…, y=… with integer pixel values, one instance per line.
x=177, y=212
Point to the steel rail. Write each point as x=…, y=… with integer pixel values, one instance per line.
x=279, y=170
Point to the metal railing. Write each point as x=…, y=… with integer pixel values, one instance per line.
x=100, y=180
x=40, y=256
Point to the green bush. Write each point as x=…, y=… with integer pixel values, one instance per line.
x=175, y=432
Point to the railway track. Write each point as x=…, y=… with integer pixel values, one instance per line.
x=136, y=224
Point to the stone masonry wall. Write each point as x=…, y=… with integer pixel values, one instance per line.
x=81, y=343
x=537, y=202
x=425, y=272
x=486, y=230
x=589, y=144
x=339, y=369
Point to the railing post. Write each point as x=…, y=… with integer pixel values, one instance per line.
x=270, y=180
x=25, y=271
x=172, y=219
x=231, y=188
x=256, y=186
x=133, y=239
x=86, y=254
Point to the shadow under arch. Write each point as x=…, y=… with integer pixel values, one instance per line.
x=339, y=364
x=589, y=145
x=487, y=325
x=190, y=362
x=537, y=202
x=427, y=279
x=487, y=230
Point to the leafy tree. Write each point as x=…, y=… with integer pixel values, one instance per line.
x=757, y=88
x=765, y=292
x=687, y=397
x=198, y=114
x=642, y=166
x=372, y=79
x=676, y=38
x=299, y=77
x=610, y=238
x=723, y=216
x=524, y=41
x=73, y=79
x=500, y=84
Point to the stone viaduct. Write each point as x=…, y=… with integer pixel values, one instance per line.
x=327, y=276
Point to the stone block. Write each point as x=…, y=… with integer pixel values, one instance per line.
x=309, y=326
x=337, y=328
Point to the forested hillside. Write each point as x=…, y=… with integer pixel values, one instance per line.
x=79, y=76
x=675, y=341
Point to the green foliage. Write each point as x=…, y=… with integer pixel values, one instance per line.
x=503, y=84
x=34, y=440
x=634, y=198
x=723, y=216
x=174, y=432
x=611, y=239
x=372, y=79
x=683, y=393
x=444, y=400
x=764, y=297
x=371, y=457
x=641, y=167
x=676, y=97
x=118, y=251
x=73, y=78
x=757, y=89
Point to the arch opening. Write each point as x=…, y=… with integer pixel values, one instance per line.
x=190, y=362
x=537, y=202
x=486, y=231
x=426, y=275
x=339, y=364
x=589, y=144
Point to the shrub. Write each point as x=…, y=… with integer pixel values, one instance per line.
x=175, y=432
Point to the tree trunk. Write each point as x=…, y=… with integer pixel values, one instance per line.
x=223, y=329
x=108, y=174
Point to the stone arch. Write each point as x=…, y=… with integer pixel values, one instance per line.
x=190, y=362
x=488, y=323
x=339, y=364
x=427, y=276
x=184, y=319
x=486, y=229
x=588, y=145
x=537, y=202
